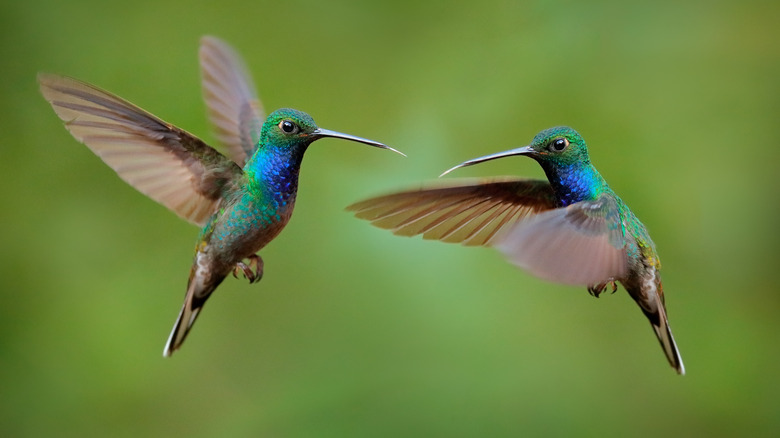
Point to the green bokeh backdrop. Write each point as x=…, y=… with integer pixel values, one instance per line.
x=356, y=332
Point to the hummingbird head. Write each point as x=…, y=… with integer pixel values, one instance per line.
x=288, y=127
x=295, y=129
x=559, y=146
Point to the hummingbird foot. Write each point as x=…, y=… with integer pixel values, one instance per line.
x=596, y=290
x=252, y=271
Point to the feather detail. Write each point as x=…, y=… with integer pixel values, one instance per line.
x=647, y=291
x=467, y=212
x=233, y=106
x=160, y=160
x=582, y=244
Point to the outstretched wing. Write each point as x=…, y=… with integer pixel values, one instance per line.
x=468, y=212
x=162, y=161
x=582, y=244
x=233, y=106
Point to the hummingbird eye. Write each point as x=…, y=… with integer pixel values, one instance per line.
x=288, y=127
x=559, y=144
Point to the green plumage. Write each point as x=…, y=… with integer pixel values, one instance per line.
x=570, y=229
x=242, y=201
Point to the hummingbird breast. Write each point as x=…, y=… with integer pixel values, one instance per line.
x=247, y=225
x=255, y=213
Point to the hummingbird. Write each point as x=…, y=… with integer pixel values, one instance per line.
x=241, y=200
x=571, y=229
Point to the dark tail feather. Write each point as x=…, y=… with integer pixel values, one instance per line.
x=187, y=316
x=649, y=297
x=664, y=333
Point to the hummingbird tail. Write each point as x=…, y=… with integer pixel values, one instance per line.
x=649, y=297
x=664, y=333
x=187, y=316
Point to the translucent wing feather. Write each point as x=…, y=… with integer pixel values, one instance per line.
x=467, y=212
x=582, y=244
x=233, y=106
x=162, y=161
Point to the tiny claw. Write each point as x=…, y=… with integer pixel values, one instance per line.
x=253, y=271
x=244, y=269
x=597, y=289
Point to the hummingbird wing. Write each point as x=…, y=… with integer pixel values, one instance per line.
x=582, y=244
x=467, y=212
x=233, y=106
x=162, y=161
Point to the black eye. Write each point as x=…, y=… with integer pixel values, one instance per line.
x=559, y=144
x=288, y=127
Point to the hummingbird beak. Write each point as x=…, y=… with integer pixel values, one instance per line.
x=525, y=150
x=321, y=133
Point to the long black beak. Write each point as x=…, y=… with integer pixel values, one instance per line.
x=525, y=150
x=321, y=133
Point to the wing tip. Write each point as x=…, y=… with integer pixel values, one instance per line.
x=209, y=39
x=47, y=83
x=45, y=77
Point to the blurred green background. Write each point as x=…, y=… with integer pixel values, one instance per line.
x=356, y=332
